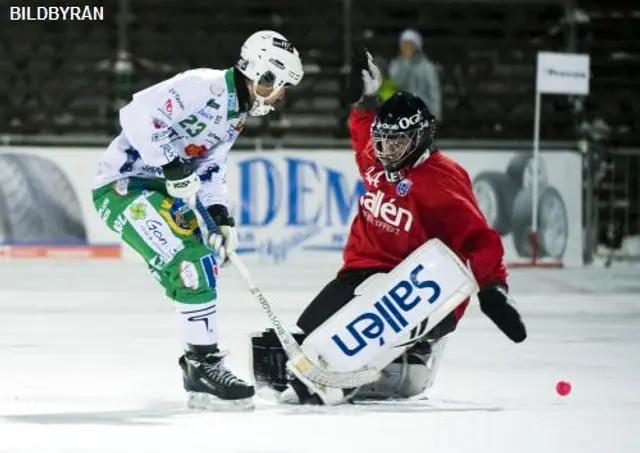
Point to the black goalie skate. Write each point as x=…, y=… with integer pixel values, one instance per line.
x=209, y=384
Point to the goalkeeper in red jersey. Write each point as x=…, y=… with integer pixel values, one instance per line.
x=415, y=193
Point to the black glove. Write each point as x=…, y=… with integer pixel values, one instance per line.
x=359, y=62
x=494, y=302
x=225, y=241
x=177, y=169
x=220, y=215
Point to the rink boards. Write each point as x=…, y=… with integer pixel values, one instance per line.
x=292, y=206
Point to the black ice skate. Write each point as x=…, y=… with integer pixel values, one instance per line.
x=209, y=384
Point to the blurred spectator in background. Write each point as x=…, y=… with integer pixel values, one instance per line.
x=412, y=71
x=388, y=88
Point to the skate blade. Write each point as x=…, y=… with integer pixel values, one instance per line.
x=205, y=401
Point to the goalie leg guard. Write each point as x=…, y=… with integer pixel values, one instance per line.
x=409, y=375
x=371, y=325
x=415, y=370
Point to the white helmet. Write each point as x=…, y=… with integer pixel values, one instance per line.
x=268, y=58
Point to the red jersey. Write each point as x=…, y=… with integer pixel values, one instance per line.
x=434, y=200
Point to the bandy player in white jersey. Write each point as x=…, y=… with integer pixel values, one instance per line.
x=173, y=148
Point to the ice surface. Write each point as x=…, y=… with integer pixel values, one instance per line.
x=88, y=364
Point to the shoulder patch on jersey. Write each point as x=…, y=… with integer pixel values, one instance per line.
x=403, y=187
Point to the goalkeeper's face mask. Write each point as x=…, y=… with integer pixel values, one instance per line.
x=392, y=148
x=402, y=132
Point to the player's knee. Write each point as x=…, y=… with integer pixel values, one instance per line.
x=191, y=277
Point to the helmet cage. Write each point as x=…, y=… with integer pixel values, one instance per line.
x=398, y=145
x=392, y=148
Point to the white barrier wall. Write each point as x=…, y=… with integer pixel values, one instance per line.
x=296, y=206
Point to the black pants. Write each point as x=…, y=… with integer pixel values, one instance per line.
x=339, y=291
x=335, y=295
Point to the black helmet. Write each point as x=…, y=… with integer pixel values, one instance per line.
x=403, y=130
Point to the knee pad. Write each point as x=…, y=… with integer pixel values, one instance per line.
x=269, y=361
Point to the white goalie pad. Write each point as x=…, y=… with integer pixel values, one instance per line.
x=375, y=327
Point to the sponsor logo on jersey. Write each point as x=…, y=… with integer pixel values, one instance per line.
x=132, y=160
x=158, y=124
x=119, y=224
x=232, y=132
x=155, y=231
x=177, y=97
x=173, y=135
x=372, y=176
x=138, y=211
x=231, y=104
x=217, y=120
x=169, y=152
x=121, y=186
x=167, y=133
x=157, y=262
x=195, y=150
x=160, y=238
x=104, y=212
x=212, y=139
x=385, y=215
x=173, y=212
x=389, y=313
x=167, y=109
x=210, y=269
x=205, y=114
x=403, y=187
x=207, y=175
x=189, y=275
x=204, y=111
x=132, y=156
x=156, y=171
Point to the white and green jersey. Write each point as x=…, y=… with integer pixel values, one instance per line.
x=194, y=115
